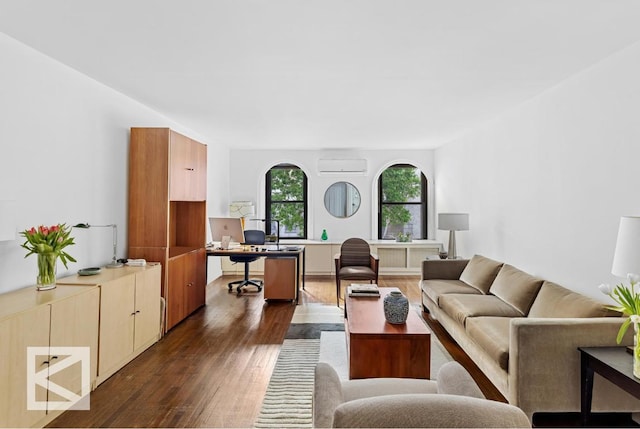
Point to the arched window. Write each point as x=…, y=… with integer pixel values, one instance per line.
x=286, y=201
x=402, y=203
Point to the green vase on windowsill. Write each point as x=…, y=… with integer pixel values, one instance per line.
x=324, y=236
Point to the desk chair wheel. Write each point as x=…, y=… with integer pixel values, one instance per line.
x=243, y=283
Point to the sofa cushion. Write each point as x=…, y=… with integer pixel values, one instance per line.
x=436, y=288
x=462, y=306
x=516, y=287
x=556, y=301
x=492, y=334
x=480, y=272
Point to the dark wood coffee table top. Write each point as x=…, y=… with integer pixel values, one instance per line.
x=365, y=316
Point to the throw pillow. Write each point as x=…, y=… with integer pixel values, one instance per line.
x=480, y=272
x=556, y=301
x=516, y=288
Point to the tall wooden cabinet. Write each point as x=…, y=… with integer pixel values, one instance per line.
x=167, y=214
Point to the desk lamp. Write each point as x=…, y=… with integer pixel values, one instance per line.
x=114, y=262
x=453, y=222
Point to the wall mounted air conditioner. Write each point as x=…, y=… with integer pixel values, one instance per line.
x=342, y=166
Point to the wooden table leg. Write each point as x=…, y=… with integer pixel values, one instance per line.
x=586, y=388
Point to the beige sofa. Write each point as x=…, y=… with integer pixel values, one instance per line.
x=454, y=400
x=523, y=332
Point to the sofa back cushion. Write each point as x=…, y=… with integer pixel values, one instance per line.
x=516, y=288
x=556, y=301
x=480, y=272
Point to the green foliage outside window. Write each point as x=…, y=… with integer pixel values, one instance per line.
x=287, y=199
x=399, y=185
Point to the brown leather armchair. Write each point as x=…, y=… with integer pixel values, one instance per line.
x=355, y=262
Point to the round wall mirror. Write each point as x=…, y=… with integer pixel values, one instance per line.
x=342, y=199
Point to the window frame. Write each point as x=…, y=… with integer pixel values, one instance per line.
x=423, y=201
x=269, y=202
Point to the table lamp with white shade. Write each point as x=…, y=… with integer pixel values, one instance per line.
x=453, y=222
x=626, y=258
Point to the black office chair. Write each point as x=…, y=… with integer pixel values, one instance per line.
x=255, y=237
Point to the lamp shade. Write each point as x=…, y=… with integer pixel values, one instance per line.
x=626, y=258
x=453, y=221
x=241, y=209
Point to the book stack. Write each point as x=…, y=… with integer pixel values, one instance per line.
x=363, y=290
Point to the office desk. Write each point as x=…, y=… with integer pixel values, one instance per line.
x=270, y=251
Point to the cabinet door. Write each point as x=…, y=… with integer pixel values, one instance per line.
x=181, y=168
x=196, y=281
x=199, y=185
x=75, y=323
x=27, y=329
x=175, y=296
x=147, y=327
x=116, y=323
x=319, y=259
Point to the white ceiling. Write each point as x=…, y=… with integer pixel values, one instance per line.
x=326, y=74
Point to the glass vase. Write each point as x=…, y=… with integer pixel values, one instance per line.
x=324, y=235
x=47, y=263
x=636, y=352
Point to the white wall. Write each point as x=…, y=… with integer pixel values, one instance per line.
x=546, y=183
x=248, y=169
x=64, y=152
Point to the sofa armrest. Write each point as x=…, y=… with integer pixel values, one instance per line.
x=445, y=269
x=427, y=410
x=327, y=394
x=544, y=363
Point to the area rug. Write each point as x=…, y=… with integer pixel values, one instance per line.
x=315, y=335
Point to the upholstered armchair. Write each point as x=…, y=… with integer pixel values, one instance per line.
x=454, y=400
x=355, y=262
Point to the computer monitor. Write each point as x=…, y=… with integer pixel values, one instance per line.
x=226, y=226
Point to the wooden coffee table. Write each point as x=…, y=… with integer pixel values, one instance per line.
x=377, y=348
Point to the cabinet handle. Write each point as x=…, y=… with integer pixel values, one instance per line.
x=189, y=284
x=190, y=169
x=46, y=362
x=135, y=312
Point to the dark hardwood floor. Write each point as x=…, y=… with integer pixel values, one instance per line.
x=212, y=370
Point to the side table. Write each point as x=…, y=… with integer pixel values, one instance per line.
x=612, y=363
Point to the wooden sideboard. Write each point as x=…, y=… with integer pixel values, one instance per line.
x=62, y=317
x=395, y=258
x=116, y=314
x=129, y=313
